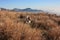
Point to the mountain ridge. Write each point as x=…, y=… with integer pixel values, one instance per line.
x=23, y=10
x=27, y=10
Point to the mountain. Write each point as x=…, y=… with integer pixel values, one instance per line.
x=4, y=9
x=23, y=10
x=26, y=10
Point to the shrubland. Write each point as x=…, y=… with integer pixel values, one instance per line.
x=43, y=26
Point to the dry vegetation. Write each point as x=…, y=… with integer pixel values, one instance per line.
x=43, y=26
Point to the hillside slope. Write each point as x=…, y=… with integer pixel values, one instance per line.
x=16, y=26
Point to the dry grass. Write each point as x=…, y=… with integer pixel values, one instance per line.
x=43, y=26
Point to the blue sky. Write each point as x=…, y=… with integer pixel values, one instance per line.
x=53, y=5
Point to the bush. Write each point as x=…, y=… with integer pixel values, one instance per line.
x=21, y=16
x=42, y=26
x=58, y=22
x=46, y=36
x=4, y=35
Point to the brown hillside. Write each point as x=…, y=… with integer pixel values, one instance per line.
x=16, y=26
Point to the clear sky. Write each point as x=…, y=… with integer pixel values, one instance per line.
x=53, y=5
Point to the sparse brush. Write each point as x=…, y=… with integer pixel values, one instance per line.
x=42, y=26
x=4, y=35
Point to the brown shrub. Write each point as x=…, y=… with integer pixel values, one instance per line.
x=43, y=27
x=39, y=25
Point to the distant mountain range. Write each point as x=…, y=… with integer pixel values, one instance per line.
x=26, y=10
x=23, y=10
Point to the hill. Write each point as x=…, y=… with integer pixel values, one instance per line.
x=23, y=10
x=29, y=26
